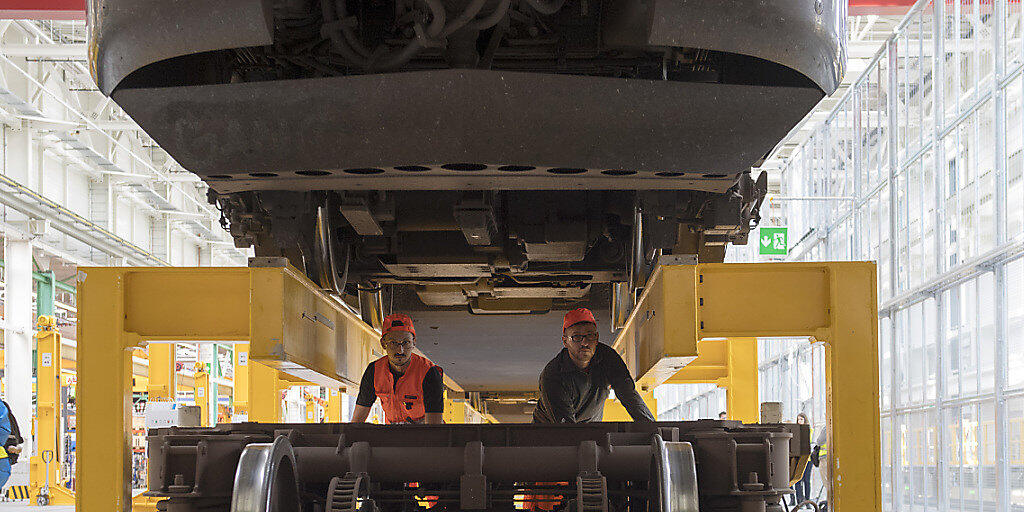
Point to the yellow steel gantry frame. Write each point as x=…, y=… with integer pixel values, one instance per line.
x=291, y=327
x=683, y=307
x=45, y=477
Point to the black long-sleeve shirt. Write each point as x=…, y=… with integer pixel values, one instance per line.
x=571, y=395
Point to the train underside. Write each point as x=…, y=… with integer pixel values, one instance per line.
x=490, y=156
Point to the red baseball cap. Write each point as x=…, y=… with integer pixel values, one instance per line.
x=576, y=316
x=397, y=322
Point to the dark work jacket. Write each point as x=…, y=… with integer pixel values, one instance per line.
x=571, y=395
x=14, y=439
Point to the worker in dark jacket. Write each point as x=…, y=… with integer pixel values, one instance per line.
x=574, y=385
x=409, y=386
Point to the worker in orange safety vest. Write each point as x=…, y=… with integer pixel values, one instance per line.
x=410, y=387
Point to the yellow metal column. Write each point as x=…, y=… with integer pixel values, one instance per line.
x=741, y=389
x=103, y=396
x=334, y=404
x=240, y=389
x=851, y=391
x=161, y=386
x=454, y=410
x=264, y=383
x=201, y=393
x=45, y=477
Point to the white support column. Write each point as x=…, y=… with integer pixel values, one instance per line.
x=161, y=237
x=205, y=255
x=18, y=339
x=101, y=212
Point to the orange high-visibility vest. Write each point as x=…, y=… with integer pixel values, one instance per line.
x=402, y=401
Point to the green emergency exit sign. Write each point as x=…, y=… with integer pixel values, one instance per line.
x=773, y=241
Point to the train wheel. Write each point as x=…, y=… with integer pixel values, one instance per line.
x=677, y=476
x=265, y=479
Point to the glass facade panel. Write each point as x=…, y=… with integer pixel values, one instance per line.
x=932, y=153
x=1014, y=123
x=1015, y=323
x=1015, y=454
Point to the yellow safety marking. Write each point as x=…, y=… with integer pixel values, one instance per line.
x=17, y=492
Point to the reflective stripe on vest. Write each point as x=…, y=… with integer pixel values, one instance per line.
x=402, y=401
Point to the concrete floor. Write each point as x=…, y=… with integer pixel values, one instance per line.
x=23, y=506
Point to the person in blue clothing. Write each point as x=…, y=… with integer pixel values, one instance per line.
x=5, y=434
x=10, y=438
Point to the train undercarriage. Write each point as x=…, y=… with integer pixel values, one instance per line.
x=491, y=252
x=493, y=156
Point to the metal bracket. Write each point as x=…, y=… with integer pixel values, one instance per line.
x=588, y=458
x=268, y=262
x=359, y=457
x=591, y=485
x=473, y=484
x=677, y=259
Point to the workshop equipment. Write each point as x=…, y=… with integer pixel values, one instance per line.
x=607, y=466
x=294, y=327
x=48, y=414
x=43, y=498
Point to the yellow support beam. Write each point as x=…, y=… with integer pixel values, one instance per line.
x=289, y=324
x=731, y=364
x=264, y=383
x=742, y=398
x=291, y=380
x=44, y=468
x=334, y=404
x=656, y=346
x=710, y=365
x=299, y=331
x=201, y=393
x=834, y=303
x=161, y=387
x=240, y=388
